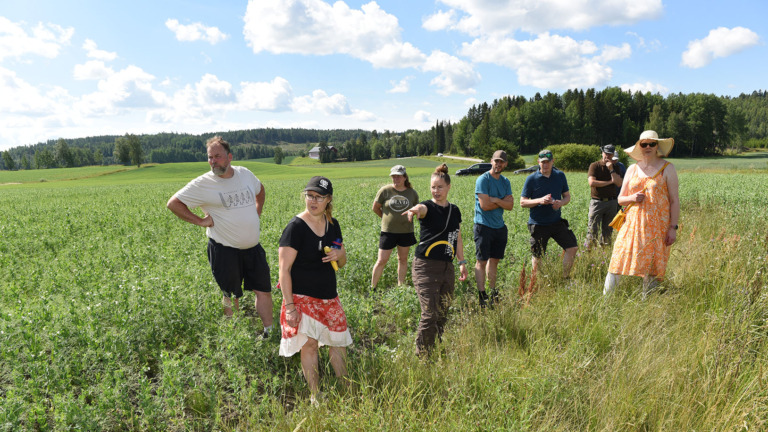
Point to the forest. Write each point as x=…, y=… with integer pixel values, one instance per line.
x=702, y=125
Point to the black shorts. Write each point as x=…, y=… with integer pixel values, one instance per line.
x=490, y=242
x=237, y=269
x=388, y=241
x=540, y=235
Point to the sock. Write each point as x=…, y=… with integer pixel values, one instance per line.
x=611, y=280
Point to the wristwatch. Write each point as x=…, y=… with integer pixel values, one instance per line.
x=612, y=171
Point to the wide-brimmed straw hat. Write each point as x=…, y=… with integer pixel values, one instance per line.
x=663, y=147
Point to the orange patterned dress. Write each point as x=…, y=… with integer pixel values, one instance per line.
x=640, y=249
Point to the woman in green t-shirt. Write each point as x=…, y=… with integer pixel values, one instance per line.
x=396, y=230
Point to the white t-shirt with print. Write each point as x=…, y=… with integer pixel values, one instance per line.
x=231, y=202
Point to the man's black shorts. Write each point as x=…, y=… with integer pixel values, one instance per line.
x=489, y=242
x=388, y=241
x=559, y=231
x=237, y=269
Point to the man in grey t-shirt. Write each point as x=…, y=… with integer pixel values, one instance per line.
x=232, y=199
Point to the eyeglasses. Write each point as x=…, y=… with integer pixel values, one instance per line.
x=315, y=198
x=547, y=155
x=650, y=144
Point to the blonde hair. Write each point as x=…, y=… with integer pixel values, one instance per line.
x=329, y=209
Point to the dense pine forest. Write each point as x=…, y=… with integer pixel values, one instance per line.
x=702, y=124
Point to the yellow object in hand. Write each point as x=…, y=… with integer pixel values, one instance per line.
x=333, y=263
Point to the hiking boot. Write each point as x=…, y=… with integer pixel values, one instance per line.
x=483, y=298
x=493, y=298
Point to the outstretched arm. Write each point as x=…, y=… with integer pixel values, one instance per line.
x=419, y=210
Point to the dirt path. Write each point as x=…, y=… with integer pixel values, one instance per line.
x=462, y=158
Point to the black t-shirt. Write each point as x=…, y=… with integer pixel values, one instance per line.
x=310, y=275
x=438, y=242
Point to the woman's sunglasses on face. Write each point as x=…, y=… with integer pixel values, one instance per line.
x=650, y=144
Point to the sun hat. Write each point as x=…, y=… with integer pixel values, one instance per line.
x=499, y=154
x=320, y=185
x=397, y=170
x=545, y=155
x=663, y=148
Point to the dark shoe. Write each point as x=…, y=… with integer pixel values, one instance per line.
x=483, y=298
x=494, y=298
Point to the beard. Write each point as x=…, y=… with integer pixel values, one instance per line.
x=218, y=170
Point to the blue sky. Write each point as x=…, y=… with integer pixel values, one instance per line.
x=73, y=68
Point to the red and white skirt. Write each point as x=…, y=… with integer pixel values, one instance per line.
x=322, y=320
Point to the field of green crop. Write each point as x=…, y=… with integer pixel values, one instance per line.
x=110, y=318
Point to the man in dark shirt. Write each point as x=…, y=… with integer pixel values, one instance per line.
x=545, y=192
x=604, y=180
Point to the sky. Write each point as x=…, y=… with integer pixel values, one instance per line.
x=77, y=68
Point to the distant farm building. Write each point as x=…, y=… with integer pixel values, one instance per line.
x=315, y=152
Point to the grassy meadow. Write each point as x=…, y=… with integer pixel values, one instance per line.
x=111, y=320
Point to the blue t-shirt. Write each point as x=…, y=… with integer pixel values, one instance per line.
x=621, y=170
x=537, y=186
x=488, y=185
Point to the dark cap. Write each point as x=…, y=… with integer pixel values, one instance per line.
x=545, y=155
x=499, y=154
x=320, y=185
x=608, y=148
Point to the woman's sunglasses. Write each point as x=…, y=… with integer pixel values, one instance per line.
x=650, y=144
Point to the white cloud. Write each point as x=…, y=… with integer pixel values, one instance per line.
x=126, y=89
x=212, y=91
x=276, y=95
x=645, y=88
x=455, y=75
x=92, y=70
x=93, y=51
x=314, y=27
x=362, y=115
x=46, y=40
x=440, y=21
x=195, y=32
x=320, y=101
x=402, y=86
x=549, y=61
x=721, y=42
x=422, y=116
x=611, y=53
x=22, y=98
x=486, y=17
x=470, y=101
x=653, y=45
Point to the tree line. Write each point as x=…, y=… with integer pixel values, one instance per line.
x=702, y=124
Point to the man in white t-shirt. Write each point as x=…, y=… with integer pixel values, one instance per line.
x=232, y=199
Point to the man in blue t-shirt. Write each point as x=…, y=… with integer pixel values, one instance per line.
x=493, y=195
x=545, y=192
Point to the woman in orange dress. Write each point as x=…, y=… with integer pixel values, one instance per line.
x=651, y=190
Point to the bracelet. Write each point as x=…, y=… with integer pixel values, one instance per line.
x=288, y=304
x=462, y=262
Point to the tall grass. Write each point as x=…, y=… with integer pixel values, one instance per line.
x=110, y=320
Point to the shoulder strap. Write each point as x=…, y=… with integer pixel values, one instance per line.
x=447, y=221
x=661, y=170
